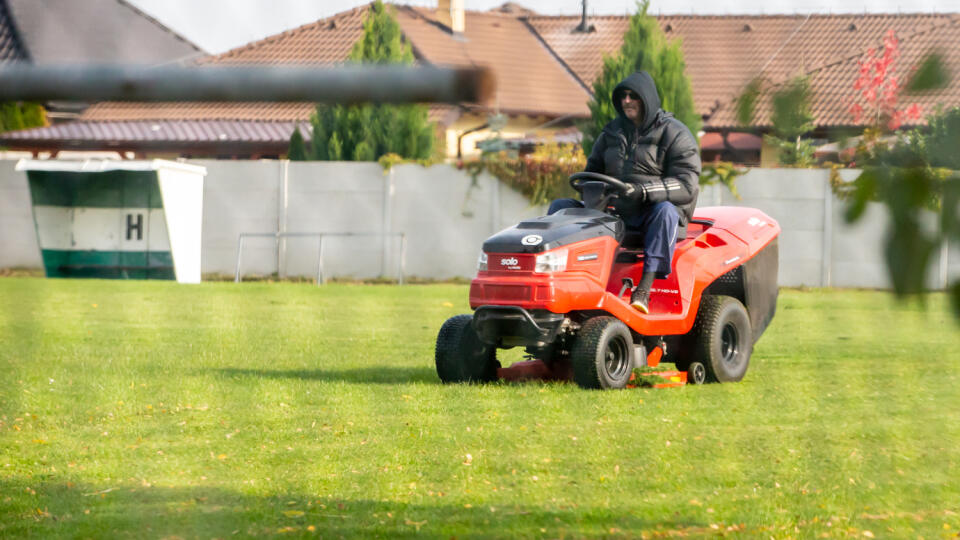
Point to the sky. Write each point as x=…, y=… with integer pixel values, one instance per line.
x=220, y=25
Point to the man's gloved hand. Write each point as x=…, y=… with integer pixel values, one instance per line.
x=628, y=202
x=635, y=194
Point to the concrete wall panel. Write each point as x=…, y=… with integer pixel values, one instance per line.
x=18, y=238
x=446, y=215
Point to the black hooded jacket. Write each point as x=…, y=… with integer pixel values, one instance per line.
x=660, y=156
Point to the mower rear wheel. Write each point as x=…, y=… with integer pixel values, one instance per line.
x=723, y=338
x=461, y=356
x=602, y=354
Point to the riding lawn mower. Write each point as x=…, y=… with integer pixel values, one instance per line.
x=560, y=285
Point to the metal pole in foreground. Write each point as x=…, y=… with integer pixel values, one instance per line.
x=344, y=84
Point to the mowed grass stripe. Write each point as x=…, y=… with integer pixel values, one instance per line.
x=219, y=410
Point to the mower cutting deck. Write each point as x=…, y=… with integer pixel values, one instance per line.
x=560, y=285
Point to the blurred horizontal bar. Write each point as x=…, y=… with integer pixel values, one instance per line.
x=343, y=84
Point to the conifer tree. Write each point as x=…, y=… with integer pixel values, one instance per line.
x=646, y=48
x=16, y=115
x=366, y=132
x=298, y=148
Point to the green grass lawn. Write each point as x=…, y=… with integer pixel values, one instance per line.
x=157, y=410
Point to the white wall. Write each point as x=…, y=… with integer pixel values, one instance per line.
x=18, y=237
x=446, y=216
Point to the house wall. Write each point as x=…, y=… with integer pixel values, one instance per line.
x=445, y=216
x=517, y=126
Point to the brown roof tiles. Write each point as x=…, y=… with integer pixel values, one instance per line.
x=543, y=67
x=832, y=84
x=529, y=83
x=724, y=53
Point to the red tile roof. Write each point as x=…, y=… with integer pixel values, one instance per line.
x=543, y=67
x=724, y=53
x=529, y=83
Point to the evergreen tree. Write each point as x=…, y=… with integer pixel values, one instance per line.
x=366, y=132
x=298, y=149
x=21, y=115
x=646, y=48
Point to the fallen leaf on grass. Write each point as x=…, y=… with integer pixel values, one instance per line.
x=416, y=524
x=293, y=513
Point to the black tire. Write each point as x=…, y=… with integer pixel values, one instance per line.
x=723, y=340
x=696, y=373
x=461, y=356
x=602, y=354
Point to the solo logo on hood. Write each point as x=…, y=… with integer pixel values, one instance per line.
x=511, y=261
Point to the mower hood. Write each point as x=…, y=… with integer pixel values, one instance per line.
x=560, y=229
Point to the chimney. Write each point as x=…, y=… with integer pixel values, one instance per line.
x=450, y=13
x=584, y=25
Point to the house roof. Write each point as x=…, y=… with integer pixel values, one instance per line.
x=135, y=133
x=724, y=53
x=95, y=31
x=11, y=47
x=831, y=85
x=216, y=136
x=532, y=83
x=543, y=67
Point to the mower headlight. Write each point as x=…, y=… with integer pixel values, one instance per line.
x=482, y=262
x=551, y=261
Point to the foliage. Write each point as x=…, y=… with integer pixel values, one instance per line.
x=391, y=160
x=155, y=409
x=931, y=74
x=21, y=115
x=942, y=139
x=878, y=89
x=722, y=172
x=645, y=47
x=366, y=132
x=747, y=102
x=792, y=119
x=907, y=177
x=915, y=175
x=541, y=176
x=792, y=153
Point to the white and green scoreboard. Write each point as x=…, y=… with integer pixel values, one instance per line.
x=117, y=219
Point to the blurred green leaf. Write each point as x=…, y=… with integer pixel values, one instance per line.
x=931, y=74
x=747, y=102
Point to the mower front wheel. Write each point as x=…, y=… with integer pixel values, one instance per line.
x=602, y=354
x=461, y=356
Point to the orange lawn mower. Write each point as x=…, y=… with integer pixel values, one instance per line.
x=559, y=286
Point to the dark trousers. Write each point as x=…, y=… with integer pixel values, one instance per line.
x=657, y=223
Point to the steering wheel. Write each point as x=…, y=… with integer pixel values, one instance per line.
x=577, y=178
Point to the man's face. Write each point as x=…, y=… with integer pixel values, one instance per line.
x=631, y=105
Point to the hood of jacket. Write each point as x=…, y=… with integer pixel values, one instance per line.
x=642, y=84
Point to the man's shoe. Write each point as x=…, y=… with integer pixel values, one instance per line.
x=640, y=300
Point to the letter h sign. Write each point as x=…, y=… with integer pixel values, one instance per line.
x=135, y=226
